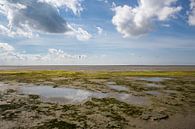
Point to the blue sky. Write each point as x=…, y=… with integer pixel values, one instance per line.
x=135, y=32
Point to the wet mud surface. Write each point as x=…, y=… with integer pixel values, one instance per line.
x=68, y=101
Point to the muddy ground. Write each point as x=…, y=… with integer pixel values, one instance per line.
x=103, y=67
x=140, y=100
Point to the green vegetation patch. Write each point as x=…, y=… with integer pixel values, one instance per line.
x=59, y=78
x=115, y=107
x=56, y=124
x=4, y=107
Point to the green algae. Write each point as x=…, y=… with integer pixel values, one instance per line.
x=56, y=124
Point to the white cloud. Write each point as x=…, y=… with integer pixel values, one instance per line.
x=31, y=18
x=4, y=30
x=136, y=21
x=28, y=17
x=79, y=33
x=74, y=5
x=59, y=54
x=191, y=18
x=4, y=47
x=99, y=30
x=82, y=35
x=105, y=1
x=9, y=56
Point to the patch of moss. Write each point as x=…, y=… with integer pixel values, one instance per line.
x=4, y=107
x=34, y=96
x=66, y=108
x=114, y=106
x=57, y=124
x=9, y=115
x=10, y=91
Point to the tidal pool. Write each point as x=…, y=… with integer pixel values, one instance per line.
x=153, y=85
x=74, y=96
x=131, y=99
x=65, y=95
x=114, y=86
x=118, y=87
x=71, y=95
x=153, y=79
x=154, y=93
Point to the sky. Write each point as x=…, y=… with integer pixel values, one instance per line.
x=97, y=32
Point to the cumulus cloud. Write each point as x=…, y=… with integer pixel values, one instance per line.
x=135, y=21
x=28, y=18
x=59, y=54
x=79, y=33
x=8, y=56
x=73, y=5
x=82, y=35
x=191, y=18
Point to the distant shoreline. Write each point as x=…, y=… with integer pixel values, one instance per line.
x=102, y=67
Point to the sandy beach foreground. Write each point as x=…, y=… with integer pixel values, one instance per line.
x=97, y=97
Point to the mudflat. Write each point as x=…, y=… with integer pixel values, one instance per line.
x=103, y=67
x=160, y=98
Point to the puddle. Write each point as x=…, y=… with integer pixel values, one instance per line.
x=74, y=96
x=153, y=79
x=114, y=86
x=155, y=93
x=131, y=99
x=110, y=83
x=170, y=91
x=118, y=87
x=71, y=95
x=153, y=85
x=65, y=95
